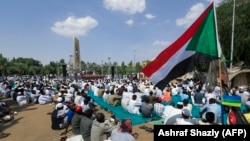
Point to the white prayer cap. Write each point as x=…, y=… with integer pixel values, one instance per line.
x=20, y=88
x=35, y=88
x=62, y=89
x=59, y=99
x=46, y=91
x=180, y=103
x=68, y=95
x=59, y=105
x=59, y=94
x=186, y=112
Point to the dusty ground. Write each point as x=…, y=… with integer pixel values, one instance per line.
x=33, y=124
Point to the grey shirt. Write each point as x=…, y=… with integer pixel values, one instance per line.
x=75, y=123
x=99, y=129
x=85, y=128
x=146, y=109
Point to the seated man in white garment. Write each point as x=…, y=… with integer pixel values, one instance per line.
x=44, y=98
x=126, y=96
x=134, y=105
x=186, y=118
x=170, y=114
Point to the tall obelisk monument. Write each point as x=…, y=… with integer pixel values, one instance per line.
x=76, y=56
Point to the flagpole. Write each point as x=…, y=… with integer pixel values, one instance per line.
x=219, y=64
x=232, y=40
x=218, y=45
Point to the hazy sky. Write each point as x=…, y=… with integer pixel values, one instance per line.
x=124, y=30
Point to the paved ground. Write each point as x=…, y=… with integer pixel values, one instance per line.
x=33, y=124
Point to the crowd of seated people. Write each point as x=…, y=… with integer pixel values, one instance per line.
x=191, y=94
x=137, y=97
x=70, y=99
x=37, y=91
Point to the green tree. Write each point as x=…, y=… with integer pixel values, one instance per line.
x=3, y=65
x=83, y=65
x=138, y=67
x=241, y=29
x=123, y=68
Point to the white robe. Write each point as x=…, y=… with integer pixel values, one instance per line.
x=134, y=106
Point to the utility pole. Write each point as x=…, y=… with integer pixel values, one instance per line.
x=57, y=66
x=109, y=65
x=232, y=40
x=134, y=61
x=102, y=67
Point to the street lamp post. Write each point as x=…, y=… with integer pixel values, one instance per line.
x=102, y=67
x=109, y=65
x=232, y=40
x=134, y=60
x=57, y=67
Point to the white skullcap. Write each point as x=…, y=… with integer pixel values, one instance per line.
x=47, y=91
x=62, y=89
x=68, y=95
x=59, y=94
x=59, y=105
x=130, y=89
x=180, y=103
x=59, y=99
